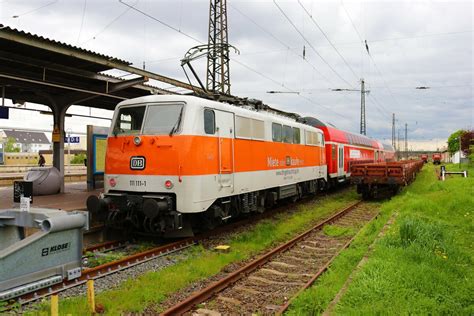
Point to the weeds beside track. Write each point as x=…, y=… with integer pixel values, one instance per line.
x=422, y=265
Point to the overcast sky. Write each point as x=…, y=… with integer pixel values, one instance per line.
x=411, y=44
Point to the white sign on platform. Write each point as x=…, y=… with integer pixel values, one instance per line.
x=72, y=139
x=24, y=204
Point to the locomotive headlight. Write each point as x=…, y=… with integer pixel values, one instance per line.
x=112, y=182
x=168, y=184
x=137, y=140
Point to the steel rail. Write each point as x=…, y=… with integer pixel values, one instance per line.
x=319, y=273
x=107, y=245
x=220, y=285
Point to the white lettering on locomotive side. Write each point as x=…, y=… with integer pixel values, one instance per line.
x=287, y=161
x=272, y=162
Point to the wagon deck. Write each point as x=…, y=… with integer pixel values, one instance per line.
x=371, y=177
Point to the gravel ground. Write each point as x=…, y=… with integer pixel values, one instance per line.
x=114, y=280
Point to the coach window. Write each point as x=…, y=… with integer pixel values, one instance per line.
x=209, y=121
x=287, y=134
x=276, y=132
x=296, y=135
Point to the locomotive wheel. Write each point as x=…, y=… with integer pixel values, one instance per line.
x=209, y=222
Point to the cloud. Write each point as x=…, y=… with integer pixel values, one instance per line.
x=412, y=44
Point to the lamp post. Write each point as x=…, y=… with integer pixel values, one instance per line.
x=68, y=133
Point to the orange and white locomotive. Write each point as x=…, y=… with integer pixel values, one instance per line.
x=173, y=162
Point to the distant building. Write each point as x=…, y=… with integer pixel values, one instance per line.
x=27, y=141
x=458, y=156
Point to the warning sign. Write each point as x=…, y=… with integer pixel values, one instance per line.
x=56, y=135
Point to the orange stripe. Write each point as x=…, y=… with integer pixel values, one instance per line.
x=199, y=155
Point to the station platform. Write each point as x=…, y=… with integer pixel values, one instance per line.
x=9, y=174
x=74, y=197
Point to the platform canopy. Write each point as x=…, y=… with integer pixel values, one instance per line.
x=44, y=71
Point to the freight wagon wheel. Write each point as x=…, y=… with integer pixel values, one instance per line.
x=395, y=189
x=365, y=195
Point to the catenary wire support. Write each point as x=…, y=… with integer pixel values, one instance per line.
x=218, y=74
x=363, y=92
x=200, y=51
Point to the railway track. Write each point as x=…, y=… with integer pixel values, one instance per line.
x=267, y=284
x=107, y=269
x=133, y=260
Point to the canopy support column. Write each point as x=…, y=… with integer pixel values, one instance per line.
x=59, y=115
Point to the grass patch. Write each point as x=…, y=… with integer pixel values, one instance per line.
x=422, y=265
x=152, y=288
x=338, y=231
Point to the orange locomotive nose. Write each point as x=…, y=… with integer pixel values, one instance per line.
x=153, y=155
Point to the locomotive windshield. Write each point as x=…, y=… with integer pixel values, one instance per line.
x=163, y=119
x=159, y=119
x=129, y=120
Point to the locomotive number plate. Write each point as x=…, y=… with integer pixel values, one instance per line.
x=137, y=163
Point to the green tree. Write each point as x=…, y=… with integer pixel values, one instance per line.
x=453, y=141
x=10, y=146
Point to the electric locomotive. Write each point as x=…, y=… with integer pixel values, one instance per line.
x=175, y=163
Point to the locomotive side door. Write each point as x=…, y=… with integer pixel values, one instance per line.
x=225, y=136
x=340, y=169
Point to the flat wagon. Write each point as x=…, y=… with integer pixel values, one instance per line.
x=373, y=178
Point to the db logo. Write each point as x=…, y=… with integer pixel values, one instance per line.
x=137, y=163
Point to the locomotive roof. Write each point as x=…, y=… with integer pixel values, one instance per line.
x=240, y=110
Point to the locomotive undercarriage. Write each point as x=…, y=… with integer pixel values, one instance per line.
x=155, y=214
x=223, y=209
x=149, y=213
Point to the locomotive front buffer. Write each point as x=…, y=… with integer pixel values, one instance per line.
x=39, y=248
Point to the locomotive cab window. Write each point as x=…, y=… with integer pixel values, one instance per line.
x=209, y=121
x=276, y=132
x=129, y=120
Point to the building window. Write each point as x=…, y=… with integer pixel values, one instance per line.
x=276, y=132
x=209, y=121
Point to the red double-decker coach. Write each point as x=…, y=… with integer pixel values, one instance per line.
x=344, y=149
